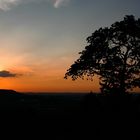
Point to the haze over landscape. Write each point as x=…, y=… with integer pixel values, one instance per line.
x=40, y=39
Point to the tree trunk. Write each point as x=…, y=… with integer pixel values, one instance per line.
x=122, y=79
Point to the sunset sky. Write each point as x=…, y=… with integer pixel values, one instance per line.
x=40, y=39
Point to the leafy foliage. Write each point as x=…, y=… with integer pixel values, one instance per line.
x=113, y=54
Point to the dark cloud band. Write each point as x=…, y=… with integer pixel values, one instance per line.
x=6, y=74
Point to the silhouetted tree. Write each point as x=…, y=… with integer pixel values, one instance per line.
x=113, y=54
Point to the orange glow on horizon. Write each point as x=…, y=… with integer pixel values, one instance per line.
x=33, y=84
x=46, y=77
x=36, y=84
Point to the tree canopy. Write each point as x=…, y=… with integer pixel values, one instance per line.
x=113, y=53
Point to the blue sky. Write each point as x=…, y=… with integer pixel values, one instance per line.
x=41, y=38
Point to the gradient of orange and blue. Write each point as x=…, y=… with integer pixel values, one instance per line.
x=40, y=39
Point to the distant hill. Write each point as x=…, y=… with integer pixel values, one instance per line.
x=7, y=91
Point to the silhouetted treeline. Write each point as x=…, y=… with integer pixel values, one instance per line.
x=67, y=104
x=72, y=115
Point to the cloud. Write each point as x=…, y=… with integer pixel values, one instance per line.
x=59, y=3
x=6, y=5
x=7, y=74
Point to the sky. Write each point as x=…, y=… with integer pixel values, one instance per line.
x=40, y=39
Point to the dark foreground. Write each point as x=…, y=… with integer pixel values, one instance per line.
x=69, y=116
